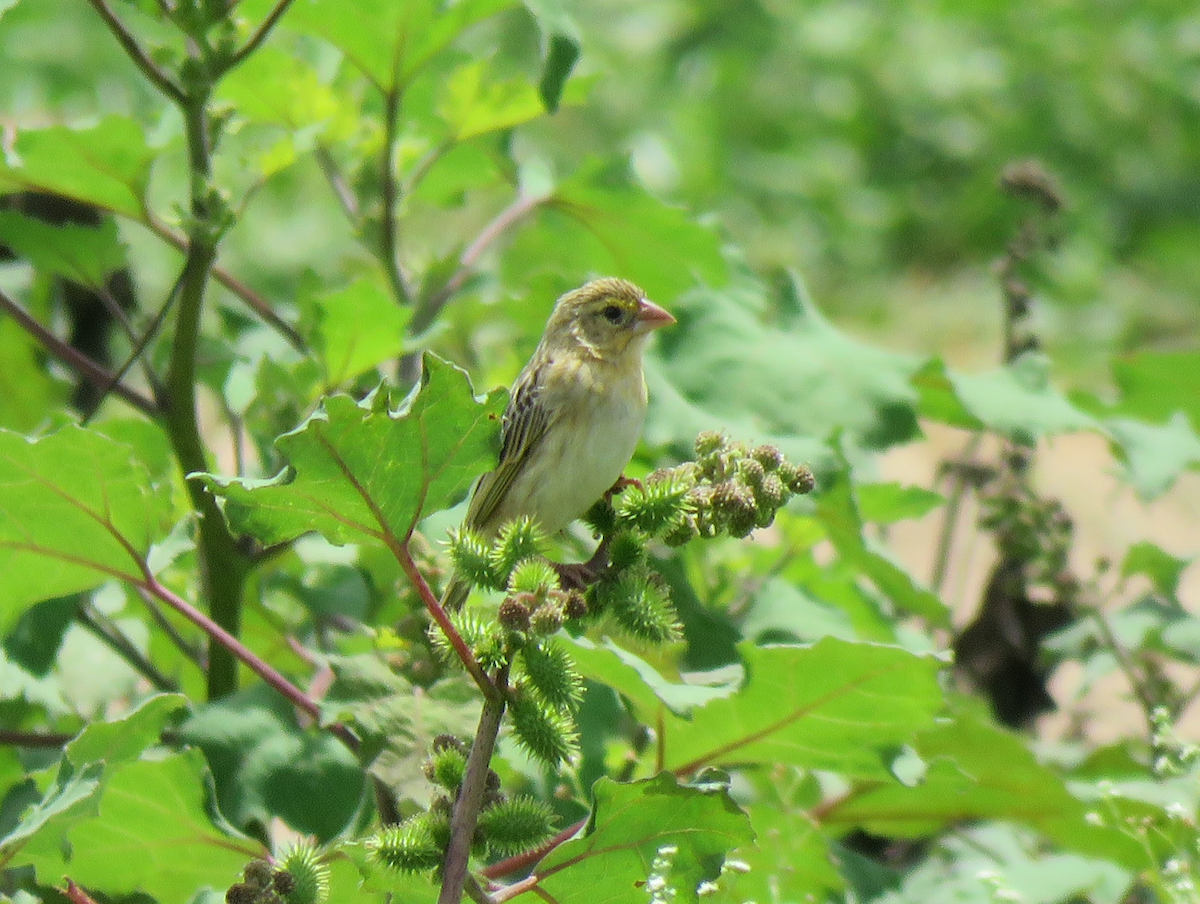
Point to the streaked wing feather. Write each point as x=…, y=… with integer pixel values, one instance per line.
x=524, y=424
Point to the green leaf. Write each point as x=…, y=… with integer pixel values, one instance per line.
x=630, y=827
x=978, y=770
x=154, y=834
x=355, y=329
x=1162, y=568
x=389, y=42
x=837, y=509
x=1016, y=401
x=1156, y=385
x=266, y=767
x=277, y=88
x=638, y=681
x=125, y=739
x=791, y=861
x=797, y=376
x=600, y=222
x=835, y=705
x=473, y=103
x=1155, y=456
x=107, y=165
x=71, y=796
x=363, y=474
x=886, y=503
x=27, y=390
x=560, y=48
x=78, y=509
x=84, y=254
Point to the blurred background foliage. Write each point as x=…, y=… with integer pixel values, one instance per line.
x=858, y=142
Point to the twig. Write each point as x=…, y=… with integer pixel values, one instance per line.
x=33, y=739
x=189, y=650
x=388, y=238
x=337, y=182
x=524, y=860
x=260, y=33
x=404, y=557
x=112, y=636
x=149, y=68
x=499, y=225
x=252, y=299
x=264, y=671
x=476, y=893
x=1145, y=701
x=470, y=796
x=76, y=360
x=941, y=558
x=508, y=892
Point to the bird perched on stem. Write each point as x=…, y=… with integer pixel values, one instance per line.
x=574, y=415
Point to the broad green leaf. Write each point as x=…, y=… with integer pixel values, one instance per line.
x=885, y=503
x=397, y=724
x=388, y=41
x=978, y=770
x=154, y=834
x=1016, y=401
x=838, y=706
x=1155, y=456
x=789, y=373
x=125, y=739
x=266, y=767
x=28, y=392
x=1162, y=568
x=838, y=512
x=358, y=473
x=473, y=103
x=78, y=509
x=355, y=329
x=638, y=681
x=107, y=165
x=784, y=612
x=656, y=827
x=1155, y=385
x=790, y=862
x=560, y=47
x=598, y=222
x=280, y=89
x=84, y=254
x=70, y=797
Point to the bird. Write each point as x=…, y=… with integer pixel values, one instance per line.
x=574, y=415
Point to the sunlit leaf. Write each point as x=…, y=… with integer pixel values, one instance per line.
x=107, y=165
x=358, y=473
x=1155, y=456
x=78, y=509
x=834, y=705
x=355, y=329
x=560, y=47
x=1155, y=385
x=686, y=830
x=84, y=254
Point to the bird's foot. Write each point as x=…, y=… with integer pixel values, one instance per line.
x=581, y=575
x=621, y=483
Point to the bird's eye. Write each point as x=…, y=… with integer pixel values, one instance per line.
x=613, y=314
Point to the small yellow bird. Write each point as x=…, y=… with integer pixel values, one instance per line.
x=574, y=416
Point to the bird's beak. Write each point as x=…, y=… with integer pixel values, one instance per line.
x=650, y=317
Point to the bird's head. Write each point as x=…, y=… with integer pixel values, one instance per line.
x=606, y=317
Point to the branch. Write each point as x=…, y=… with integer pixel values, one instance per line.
x=470, y=796
x=524, y=861
x=189, y=651
x=388, y=239
x=502, y=222
x=345, y=195
x=252, y=299
x=149, y=68
x=260, y=34
x=111, y=635
x=76, y=360
x=289, y=691
x=33, y=739
x=404, y=557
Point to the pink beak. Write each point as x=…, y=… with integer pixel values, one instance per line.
x=650, y=316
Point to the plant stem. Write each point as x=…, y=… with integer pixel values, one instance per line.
x=404, y=557
x=230, y=643
x=260, y=33
x=141, y=59
x=470, y=796
x=76, y=360
x=33, y=739
x=388, y=237
x=111, y=636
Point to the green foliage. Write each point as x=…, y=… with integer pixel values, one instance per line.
x=266, y=227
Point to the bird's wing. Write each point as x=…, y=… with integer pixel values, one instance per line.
x=525, y=422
